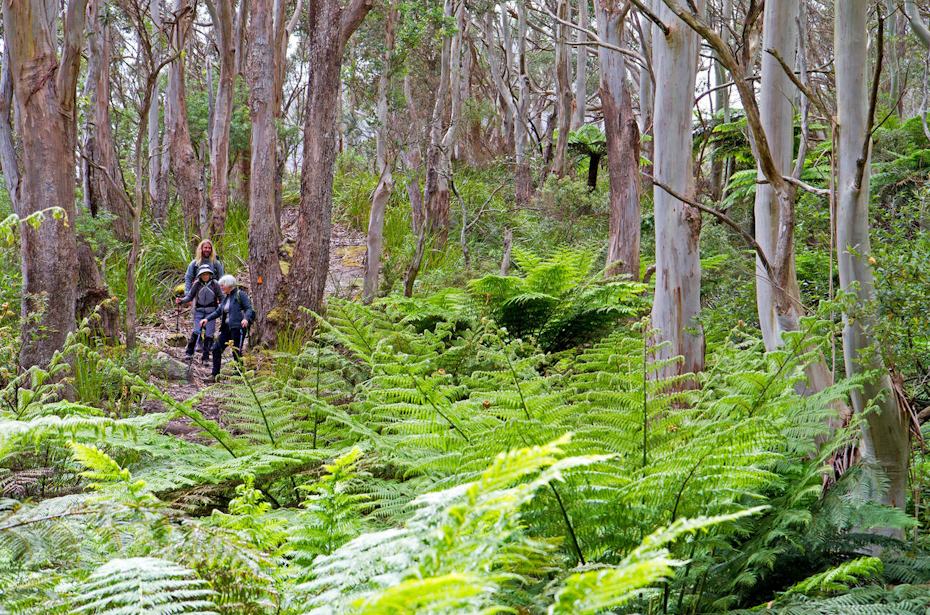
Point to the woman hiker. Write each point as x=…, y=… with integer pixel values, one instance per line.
x=235, y=314
x=206, y=295
x=204, y=255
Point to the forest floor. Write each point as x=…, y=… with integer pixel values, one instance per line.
x=346, y=268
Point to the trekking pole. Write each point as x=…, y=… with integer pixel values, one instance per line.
x=177, y=319
x=190, y=359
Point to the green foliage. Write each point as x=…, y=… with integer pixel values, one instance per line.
x=333, y=513
x=560, y=301
x=839, y=578
x=142, y=586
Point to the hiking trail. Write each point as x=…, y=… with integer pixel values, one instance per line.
x=346, y=268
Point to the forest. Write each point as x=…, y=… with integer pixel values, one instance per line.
x=556, y=307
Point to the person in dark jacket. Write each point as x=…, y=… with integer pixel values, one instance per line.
x=207, y=296
x=204, y=256
x=235, y=314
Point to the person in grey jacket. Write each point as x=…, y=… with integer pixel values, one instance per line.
x=204, y=256
x=235, y=314
x=206, y=295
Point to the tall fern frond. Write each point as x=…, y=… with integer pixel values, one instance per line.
x=143, y=586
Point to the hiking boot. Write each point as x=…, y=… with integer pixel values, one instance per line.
x=205, y=359
x=189, y=355
x=210, y=379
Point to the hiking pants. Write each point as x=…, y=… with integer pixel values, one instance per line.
x=199, y=313
x=227, y=334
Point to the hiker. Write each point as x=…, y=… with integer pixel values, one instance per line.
x=204, y=255
x=235, y=314
x=206, y=295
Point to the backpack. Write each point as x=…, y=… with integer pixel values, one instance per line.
x=214, y=287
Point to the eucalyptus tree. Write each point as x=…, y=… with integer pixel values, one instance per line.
x=329, y=27
x=229, y=25
x=436, y=219
x=98, y=153
x=581, y=67
x=563, y=89
x=385, y=185
x=185, y=167
x=677, y=304
x=264, y=265
x=623, y=138
x=885, y=437
x=44, y=92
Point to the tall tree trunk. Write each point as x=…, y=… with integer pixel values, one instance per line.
x=646, y=91
x=413, y=158
x=98, y=155
x=158, y=183
x=184, y=164
x=437, y=157
x=264, y=265
x=622, y=146
x=885, y=438
x=721, y=102
x=329, y=29
x=581, y=68
x=226, y=25
x=563, y=90
x=439, y=154
x=382, y=194
x=677, y=305
x=44, y=92
x=8, y=159
x=776, y=112
x=524, y=179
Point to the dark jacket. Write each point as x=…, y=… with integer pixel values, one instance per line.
x=191, y=274
x=194, y=293
x=236, y=312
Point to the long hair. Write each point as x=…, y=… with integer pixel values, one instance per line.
x=199, y=254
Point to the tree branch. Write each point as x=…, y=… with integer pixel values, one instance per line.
x=808, y=93
x=352, y=16
x=648, y=14
x=873, y=100
x=749, y=239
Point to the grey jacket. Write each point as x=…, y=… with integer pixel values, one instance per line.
x=191, y=274
x=201, y=291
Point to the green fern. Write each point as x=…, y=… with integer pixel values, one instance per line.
x=144, y=586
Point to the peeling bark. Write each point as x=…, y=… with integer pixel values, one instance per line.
x=563, y=91
x=622, y=135
x=44, y=89
x=185, y=167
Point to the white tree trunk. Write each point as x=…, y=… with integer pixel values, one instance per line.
x=385, y=186
x=885, y=438
x=776, y=111
x=677, y=304
x=581, y=68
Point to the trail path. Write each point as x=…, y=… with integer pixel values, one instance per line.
x=347, y=252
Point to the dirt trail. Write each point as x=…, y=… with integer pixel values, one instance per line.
x=347, y=253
